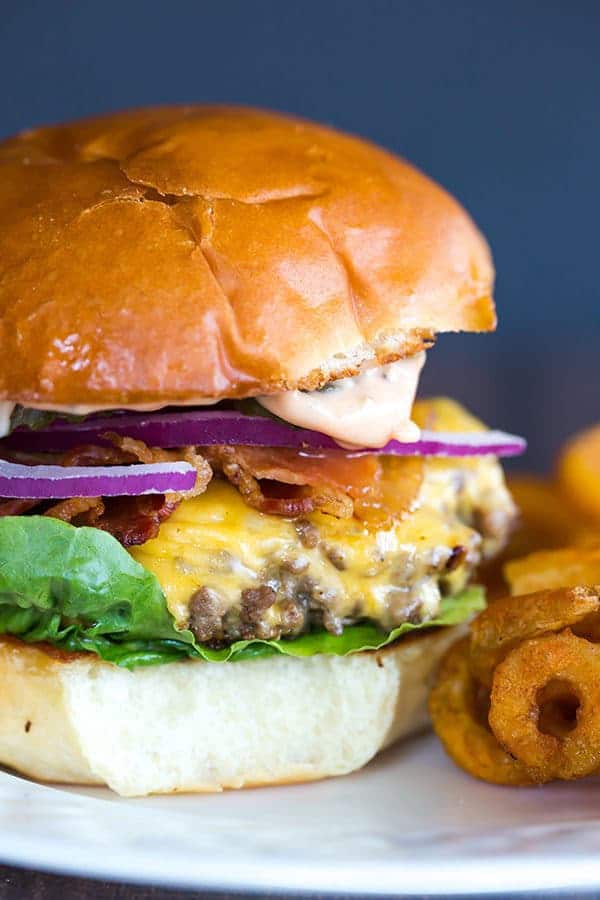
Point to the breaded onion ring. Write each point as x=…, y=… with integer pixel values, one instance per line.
x=509, y=621
x=559, y=568
x=545, y=706
x=454, y=707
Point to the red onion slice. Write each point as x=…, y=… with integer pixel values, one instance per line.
x=457, y=443
x=198, y=427
x=57, y=482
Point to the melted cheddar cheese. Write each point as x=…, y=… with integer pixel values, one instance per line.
x=217, y=542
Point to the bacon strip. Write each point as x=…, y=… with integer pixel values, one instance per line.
x=394, y=494
x=13, y=507
x=276, y=481
x=269, y=497
x=132, y=520
x=373, y=488
x=140, y=452
x=67, y=510
x=95, y=455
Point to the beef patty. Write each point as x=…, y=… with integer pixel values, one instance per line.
x=230, y=572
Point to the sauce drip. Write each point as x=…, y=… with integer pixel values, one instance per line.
x=367, y=410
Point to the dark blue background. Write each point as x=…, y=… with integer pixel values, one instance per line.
x=499, y=101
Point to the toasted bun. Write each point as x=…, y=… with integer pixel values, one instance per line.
x=171, y=254
x=196, y=726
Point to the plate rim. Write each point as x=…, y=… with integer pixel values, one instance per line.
x=491, y=866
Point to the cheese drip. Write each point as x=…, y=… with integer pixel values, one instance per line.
x=368, y=410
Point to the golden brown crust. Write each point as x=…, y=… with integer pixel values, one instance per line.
x=167, y=254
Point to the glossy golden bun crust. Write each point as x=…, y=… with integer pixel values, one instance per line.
x=161, y=255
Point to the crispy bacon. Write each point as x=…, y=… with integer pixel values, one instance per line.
x=134, y=520
x=140, y=452
x=276, y=481
x=293, y=501
x=373, y=488
x=256, y=482
x=95, y=455
x=12, y=507
x=70, y=509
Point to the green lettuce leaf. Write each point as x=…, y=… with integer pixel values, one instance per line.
x=24, y=417
x=80, y=590
x=37, y=419
x=251, y=407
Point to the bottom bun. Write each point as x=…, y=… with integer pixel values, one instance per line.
x=195, y=726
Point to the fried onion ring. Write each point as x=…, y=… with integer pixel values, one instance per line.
x=579, y=473
x=555, y=568
x=557, y=674
x=456, y=709
x=509, y=621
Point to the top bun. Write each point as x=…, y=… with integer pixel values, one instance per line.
x=182, y=253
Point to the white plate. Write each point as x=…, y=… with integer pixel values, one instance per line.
x=409, y=823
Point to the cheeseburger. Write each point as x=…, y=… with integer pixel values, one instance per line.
x=232, y=545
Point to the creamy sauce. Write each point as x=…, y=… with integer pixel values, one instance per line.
x=85, y=409
x=367, y=410
x=6, y=408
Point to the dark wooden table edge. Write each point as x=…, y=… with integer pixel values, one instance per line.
x=19, y=883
